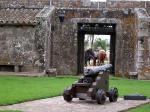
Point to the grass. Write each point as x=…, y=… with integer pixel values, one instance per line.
x=143, y=108
x=10, y=111
x=15, y=89
x=127, y=86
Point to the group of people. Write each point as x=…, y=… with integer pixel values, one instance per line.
x=98, y=57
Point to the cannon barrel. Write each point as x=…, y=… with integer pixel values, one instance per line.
x=94, y=71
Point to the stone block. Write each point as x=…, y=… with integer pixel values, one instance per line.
x=144, y=76
x=133, y=75
x=51, y=72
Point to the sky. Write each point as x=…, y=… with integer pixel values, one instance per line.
x=103, y=37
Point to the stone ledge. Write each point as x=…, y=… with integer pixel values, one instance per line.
x=51, y=72
x=133, y=75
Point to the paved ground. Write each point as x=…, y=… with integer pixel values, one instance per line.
x=57, y=104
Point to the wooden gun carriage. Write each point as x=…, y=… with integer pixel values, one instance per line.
x=93, y=85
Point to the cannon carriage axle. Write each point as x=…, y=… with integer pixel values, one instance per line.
x=93, y=85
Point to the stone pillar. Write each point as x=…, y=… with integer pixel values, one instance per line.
x=16, y=68
x=140, y=61
x=44, y=18
x=143, y=36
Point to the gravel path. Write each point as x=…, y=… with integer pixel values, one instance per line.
x=57, y=104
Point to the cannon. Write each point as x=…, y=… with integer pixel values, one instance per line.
x=93, y=85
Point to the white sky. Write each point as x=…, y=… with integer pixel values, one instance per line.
x=103, y=37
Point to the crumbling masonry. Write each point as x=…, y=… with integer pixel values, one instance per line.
x=32, y=38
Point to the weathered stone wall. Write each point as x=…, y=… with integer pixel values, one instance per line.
x=18, y=47
x=127, y=4
x=127, y=43
x=65, y=38
x=143, y=51
x=73, y=3
x=127, y=48
x=51, y=44
x=64, y=54
x=43, y=36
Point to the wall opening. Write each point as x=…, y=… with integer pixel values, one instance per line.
x=93, y=30
x=100, y=49
x=9, y=68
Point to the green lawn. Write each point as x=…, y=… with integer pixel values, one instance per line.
x=9, y=111
x=127, y=86
x=143, y=108
x=15, y=89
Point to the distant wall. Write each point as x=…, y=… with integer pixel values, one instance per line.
x=18, y=47
x=65, y=38
x=73, y=3
x=51, y=44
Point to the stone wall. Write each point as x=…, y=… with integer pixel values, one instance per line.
x=65, y=38
x=143, y=51
x=43, y=36
x=50, y=43
x=64, y=54
x=127, y=4
x=128, y=45
x=73, y=3
x=120, y=10
x=18, y=47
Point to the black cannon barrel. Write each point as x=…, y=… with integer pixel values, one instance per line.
x=96, y=70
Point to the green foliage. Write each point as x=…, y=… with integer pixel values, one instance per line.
x=101, y=43
x=14, y=89
x=143, y=108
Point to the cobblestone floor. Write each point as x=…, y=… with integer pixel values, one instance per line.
x=57, y=104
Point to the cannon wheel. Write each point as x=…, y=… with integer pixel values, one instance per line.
x=113, y=95
x=100, y=96
x=67, y=96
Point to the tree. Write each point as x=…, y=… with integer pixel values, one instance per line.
x=89, y=41
x=103, y=44
x=86, y=43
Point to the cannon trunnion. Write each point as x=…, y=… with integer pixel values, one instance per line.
x=93, y=85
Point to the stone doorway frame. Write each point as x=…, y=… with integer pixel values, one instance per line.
x=119, y=32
